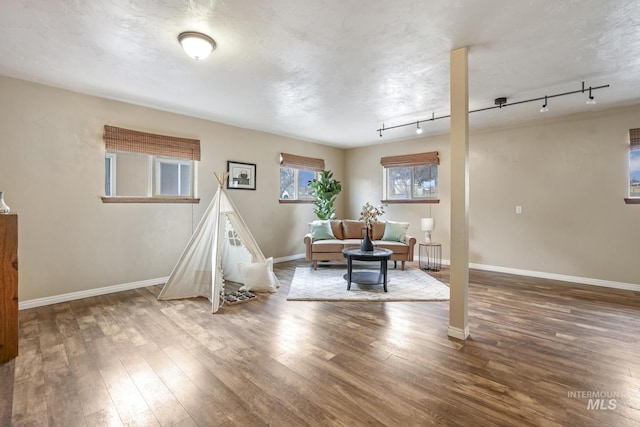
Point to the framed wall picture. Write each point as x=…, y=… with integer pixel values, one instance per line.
x=242, y=176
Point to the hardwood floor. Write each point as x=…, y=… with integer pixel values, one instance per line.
x=128, y=359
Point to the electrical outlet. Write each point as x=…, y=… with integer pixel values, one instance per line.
x=518, y=209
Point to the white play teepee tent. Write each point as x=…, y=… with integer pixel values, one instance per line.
x=221, y=248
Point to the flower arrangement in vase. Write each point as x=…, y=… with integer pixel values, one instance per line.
x=369, y=214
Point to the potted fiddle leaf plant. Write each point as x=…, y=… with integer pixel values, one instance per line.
x=325, y=190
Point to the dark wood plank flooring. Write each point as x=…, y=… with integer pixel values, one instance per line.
x=128, y=359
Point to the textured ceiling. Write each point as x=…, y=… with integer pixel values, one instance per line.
x=329, y=71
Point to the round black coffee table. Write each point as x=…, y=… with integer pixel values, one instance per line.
x=367, y=277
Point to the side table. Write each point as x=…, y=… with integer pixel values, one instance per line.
x=367, y=277
x=430, y=256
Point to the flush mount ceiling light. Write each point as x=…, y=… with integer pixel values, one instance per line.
x=197, y=45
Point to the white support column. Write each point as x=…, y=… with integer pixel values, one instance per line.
x=459, y=283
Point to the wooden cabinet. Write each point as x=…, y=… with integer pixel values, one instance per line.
x=8, y=287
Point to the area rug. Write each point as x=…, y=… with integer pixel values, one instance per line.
x=328, y=284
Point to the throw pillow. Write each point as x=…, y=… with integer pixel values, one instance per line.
x=258, y=276
x=321, y=230
x=395, y=231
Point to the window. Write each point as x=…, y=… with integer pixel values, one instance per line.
x=634, y=166
x=296, y=172
x=172, y=177
x=234, y=239
x=634, y=173
x=414, y=182
x=294, y=184
x=144, y=167
x=109, y=174
x=411, y=178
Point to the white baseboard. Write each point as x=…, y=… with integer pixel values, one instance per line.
x=552, y=276
x=288, y=258
x=561, y=277
x=56, y=299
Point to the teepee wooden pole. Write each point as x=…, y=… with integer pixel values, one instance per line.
x=221, y=180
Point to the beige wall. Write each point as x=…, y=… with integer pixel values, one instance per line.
x=570, y=177
x=52, y=173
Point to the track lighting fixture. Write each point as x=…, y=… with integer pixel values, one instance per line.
x=501, y=103
x=544, y=108
x=591, y=99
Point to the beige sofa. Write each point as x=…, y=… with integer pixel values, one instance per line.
x=349, y=234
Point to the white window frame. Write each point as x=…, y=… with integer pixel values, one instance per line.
x=153, y=179
x=157, y=175
x=632, y=152
x=633, y=190
x=111, y=173
x=385, y=182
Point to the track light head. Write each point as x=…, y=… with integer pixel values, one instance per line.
x=591, y=99
x=544, y=108
x=418, y=128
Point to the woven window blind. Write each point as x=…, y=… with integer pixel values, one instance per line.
x=407, y=160
x=634, y=138
x=301, y=162
x=132, y=141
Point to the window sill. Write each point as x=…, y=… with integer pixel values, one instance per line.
x=116, y=199
x=632, y=201
x=399, y=201
x=293, y=201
